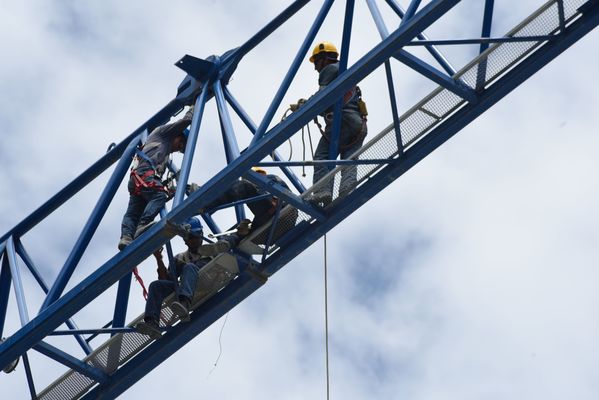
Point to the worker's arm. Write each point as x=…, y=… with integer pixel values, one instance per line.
x=162, y=270
x=174, y=128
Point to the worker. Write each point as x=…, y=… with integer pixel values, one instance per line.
x=187, y=267
x=263, y=209
x=147, y=193
x=325, y=58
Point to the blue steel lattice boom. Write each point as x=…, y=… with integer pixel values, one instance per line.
x=502, y=65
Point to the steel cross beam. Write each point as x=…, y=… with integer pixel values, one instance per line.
x=121, y=264
x=68, y=304
x=239, y=290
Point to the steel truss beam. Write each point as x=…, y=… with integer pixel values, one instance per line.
x=207, y=79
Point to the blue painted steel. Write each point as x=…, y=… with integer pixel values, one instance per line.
x=83, y=293
x=410, y=11
x=122, y=300
x=511, y=39
x=443, y=62
x=17, y=282
x=210, y=222
x=201, y=70
x=5, y=280
x=92, y=224
x=244, y=201
x=304, y=233
x=315, y=105
x=93, y=332
x=270, y=28
x=175, y=338
x=86, y=177
x=418, y=65
x=272, y=187
x=93, y=336
x=487, y=22
x=383, y=32
x=252, y=127
x=29, y=375
x=241, y=288
x=485, y=33
x=299, y=58
x=231, y=59
x=116, y=267
x=561, y=16
x=40, y=280
x=393, y=104
x=190, y=147
x=326, y=162
x=436, y=76
x=439, y=135
x=229, y=140
x=66, y=359
x=336, y=128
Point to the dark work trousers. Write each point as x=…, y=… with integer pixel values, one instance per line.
x=142, y=208
x=161, y=289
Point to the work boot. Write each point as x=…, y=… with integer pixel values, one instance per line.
x=181, y=308
x=150, y=327
x=243, y=228
x=10, y=367
x=319, y=199
x=212, y=249
x=142, y=228
x=125, y=241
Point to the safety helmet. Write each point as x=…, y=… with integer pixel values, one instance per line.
x=195, y=226
x=259, y=170
x=185, y=133
x=324, y=47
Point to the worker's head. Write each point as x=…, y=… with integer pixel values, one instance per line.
x=195, y=236
x=324, y=53
x=179, y=141
x=259, y=170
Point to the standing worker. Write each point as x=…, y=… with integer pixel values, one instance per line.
x=147, y=192
x=325, y=58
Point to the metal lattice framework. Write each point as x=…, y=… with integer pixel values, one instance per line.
x=462, y=95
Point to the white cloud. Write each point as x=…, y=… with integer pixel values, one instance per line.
x=472, y=276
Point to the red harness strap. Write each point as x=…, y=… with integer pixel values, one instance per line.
x=140, y=182
x=141, y=282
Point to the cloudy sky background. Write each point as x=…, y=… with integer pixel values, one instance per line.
x=473, y=276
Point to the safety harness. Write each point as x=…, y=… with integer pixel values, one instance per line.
x=145, y=181
x=347, y=97
x=354, y=93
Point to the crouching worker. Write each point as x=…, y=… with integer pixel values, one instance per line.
x=187, y=265
x=147, y=192
x=263, y=209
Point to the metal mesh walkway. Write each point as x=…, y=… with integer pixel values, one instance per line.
x=123, y=346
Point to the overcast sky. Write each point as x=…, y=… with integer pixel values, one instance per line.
x=473, y=276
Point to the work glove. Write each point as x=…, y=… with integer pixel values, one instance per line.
x=296, y=106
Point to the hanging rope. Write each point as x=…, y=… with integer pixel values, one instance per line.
x=307, y=129
x=326, y=314
x=220, y=346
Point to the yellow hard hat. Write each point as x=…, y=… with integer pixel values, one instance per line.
x=259, y=170
x=324, y=47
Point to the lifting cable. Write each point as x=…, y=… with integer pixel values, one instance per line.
x=326, y=315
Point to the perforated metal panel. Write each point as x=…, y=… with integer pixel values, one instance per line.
x=122, y=347
x=498, y=59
